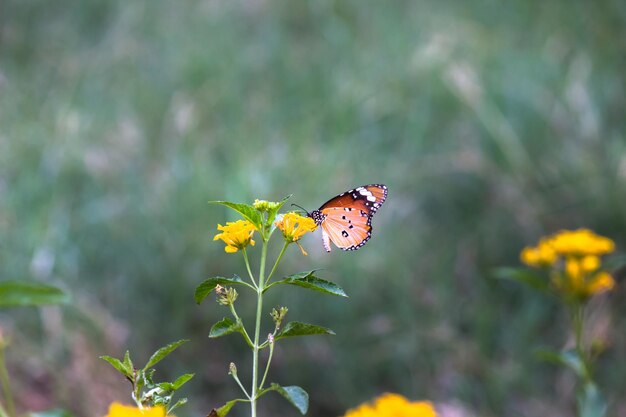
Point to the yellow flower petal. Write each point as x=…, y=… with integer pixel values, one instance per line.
x=120, y=410
x=393, y=405
x=600, y=283
x=237, y=235
x=294, y=226
x=540, y=256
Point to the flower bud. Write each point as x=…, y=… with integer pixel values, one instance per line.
x=227, y=296
x=279, y=315
x=232, y=369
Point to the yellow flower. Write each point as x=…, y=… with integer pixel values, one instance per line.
x=237, y=235
x=120, y=410
x=574, y=259
x=542, y=255
x=581, y=242
x=294, y=226
x=580, y=278
x=600, y=283
x=393, y=405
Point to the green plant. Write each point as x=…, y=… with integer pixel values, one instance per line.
x=568, y=265
x=146, y=392
x=262, y=218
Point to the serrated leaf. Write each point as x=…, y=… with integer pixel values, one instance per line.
x=208, y=285
x=295, y=395
x=224, y=327
x=591, y=403
x=310, y=281
x=296, y=328
x=181, y=380
x=525, y=276
x=24, y=293
x=117, y=364
x=163, y=352
x=248, y=212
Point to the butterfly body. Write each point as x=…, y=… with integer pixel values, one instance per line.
x=346, y=219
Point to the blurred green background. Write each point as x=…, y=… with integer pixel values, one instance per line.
x=491, y=124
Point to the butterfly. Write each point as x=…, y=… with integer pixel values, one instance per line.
x=346, y=219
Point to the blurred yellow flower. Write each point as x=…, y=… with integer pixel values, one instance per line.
x=237, y=235
x=574, y=258
x=393, y=405
x=294, y=226
x=542, y=255
x=120, y=410
x=581, y=242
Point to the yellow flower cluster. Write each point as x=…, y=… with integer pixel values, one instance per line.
x=120, y=410
x=393, y=405
x=539, y=256
x=574, y=259
x=294, y=226
x=237, y=235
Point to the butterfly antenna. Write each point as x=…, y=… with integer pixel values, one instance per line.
x=305, y=210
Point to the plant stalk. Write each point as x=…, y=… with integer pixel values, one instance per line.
x=257, y=331
x=280, y=256
x=577, y=313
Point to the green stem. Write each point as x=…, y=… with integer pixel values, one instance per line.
x=267, y=367
x=257, y=330
x=245, y=333
x=577, y=313
x=236, y=378
x=245, y=257
x=6, y=387
x=280, y=255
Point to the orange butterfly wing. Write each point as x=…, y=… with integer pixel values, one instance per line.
x=347, y=228
x=346, y=220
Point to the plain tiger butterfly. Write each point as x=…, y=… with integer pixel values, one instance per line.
x=346, y=219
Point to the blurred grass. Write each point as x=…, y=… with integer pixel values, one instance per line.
x=491, y=125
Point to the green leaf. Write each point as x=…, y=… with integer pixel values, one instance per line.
x=181, y=380
x=248, y=212
x=296, y=328
x=568, y=358
x=166, y=387
x=591, y=403
x=310, y=281
x=225, y=409
x=224, y=327
x=128, y=364
x=119, y=365
x=162, y=353
x=180, y=402
x=525, y=276
x=295, y=395
x=208, y=285
x=24, y=293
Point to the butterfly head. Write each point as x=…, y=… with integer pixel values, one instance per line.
x=317, y=216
